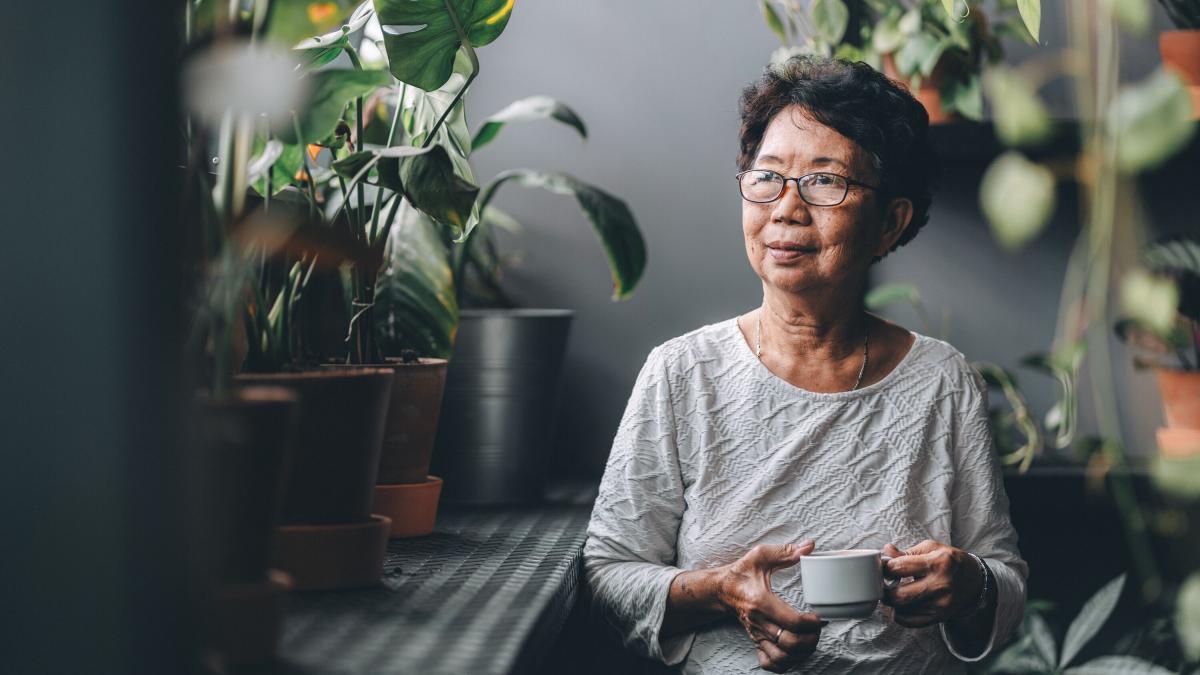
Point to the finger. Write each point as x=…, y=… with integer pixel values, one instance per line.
x=771, y=557
x=785, y=639
x=918, y=592
x=891, y=551
x=779, y=613
x=908, y=566
x=927, y=546
x=776, y=660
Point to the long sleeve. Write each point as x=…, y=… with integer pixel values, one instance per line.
x=630, y=555
x=981, y=523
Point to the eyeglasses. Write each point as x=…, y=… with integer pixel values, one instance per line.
x=819, y=189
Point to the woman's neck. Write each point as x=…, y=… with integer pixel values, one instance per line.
x=817, y=327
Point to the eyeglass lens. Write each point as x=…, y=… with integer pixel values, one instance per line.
x=818, y=189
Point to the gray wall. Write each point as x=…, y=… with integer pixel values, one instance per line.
x=658, y=83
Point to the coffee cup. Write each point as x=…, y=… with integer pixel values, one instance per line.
x=843, y=584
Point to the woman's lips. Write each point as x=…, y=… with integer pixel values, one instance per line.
x=785, y=255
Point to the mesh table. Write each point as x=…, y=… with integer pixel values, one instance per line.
x=487, y=592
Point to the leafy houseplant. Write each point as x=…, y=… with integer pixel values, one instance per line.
x=1166, y=322
x=1038, y=651
x=939, y=48
x=1180, y=48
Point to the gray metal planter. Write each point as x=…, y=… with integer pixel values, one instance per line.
x=500, y=405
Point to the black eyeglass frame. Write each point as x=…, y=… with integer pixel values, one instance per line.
x=799, y=190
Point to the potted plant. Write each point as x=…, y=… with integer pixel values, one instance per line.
x=399, y=157
x=938, y=48
x=502, y=379
x=1180, y=48
x=1164, y=321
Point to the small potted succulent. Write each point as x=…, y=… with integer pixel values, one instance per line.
x=1164, y=323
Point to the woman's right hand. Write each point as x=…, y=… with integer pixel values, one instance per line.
x=783, y=635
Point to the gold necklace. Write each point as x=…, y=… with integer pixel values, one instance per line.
x=862, y=369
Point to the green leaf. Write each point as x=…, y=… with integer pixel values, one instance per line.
x=415, y=302
x=1043, y=640
x=773, y=20
x=421, y=39
x=916, y=51
x=1178, y=477
x=1150, y=300
x=1133, y=15
x=425, y=108
x=1019, y=115
x=1093, y=615
x=431, y=184
x=1151, y=121
x=610, y=217
x=964, y=96
x=337, y=37
x=329, y=93
x=1031, y=14
x=830, y=18
x=886, y=38
x=1017, y=196
x=1187, y=616
x=948, y=5
x=1020, y=657
x=890, y=294
x=525, y=110
x=1118, y=665
x=387, y=161
x=291, y=22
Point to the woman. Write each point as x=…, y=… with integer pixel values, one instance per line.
x=810, y=424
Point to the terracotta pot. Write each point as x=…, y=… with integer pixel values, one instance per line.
x=411, y=506
x=1178, y=443
x=333, y=557
x=247, y=438
x=929, y=93
x=1180, y=51
x=1180, y=391
x=331, y=478
x=412, y=419
x=249, y=619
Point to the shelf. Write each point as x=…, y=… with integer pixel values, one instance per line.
x=487, y=592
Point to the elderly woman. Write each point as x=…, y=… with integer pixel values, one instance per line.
x=809, y=424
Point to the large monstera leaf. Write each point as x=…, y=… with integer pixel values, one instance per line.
x=414, y=294
x=421, y=36
x=610, y=217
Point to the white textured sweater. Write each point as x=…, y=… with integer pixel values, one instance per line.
x=716, y=454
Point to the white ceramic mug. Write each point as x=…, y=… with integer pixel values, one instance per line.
x=843, y=584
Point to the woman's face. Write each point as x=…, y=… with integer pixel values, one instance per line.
x=795, y=246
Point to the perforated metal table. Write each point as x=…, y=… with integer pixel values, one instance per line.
x=487, y=592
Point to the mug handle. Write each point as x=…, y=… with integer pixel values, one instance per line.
x=888, y=583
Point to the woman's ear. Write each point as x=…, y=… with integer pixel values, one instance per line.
x=896, y=219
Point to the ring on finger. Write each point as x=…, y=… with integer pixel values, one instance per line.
x=778, y=634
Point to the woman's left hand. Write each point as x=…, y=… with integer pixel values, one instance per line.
x=946, y=583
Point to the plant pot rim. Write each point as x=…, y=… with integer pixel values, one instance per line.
x=318, y=373
x=250, y=393
x=391, y=363
x=1172, y=370
x=1181, y=31
x=518, y=312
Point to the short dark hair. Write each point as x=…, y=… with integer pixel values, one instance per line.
x=861, y=104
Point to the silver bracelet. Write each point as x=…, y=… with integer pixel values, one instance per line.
x=983, y=592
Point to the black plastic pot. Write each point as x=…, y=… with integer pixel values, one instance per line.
x=500, y=405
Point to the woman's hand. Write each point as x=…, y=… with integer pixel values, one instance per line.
x=783, y=636
x=946, y=583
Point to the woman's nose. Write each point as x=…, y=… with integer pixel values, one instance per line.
x=791, y=207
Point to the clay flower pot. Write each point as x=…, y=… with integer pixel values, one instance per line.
x=1180, y=391
x=929, y=93
x=329, y=538
x=246, y=439
x=412, y=420
x=1180, y=51
x=332, y=474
